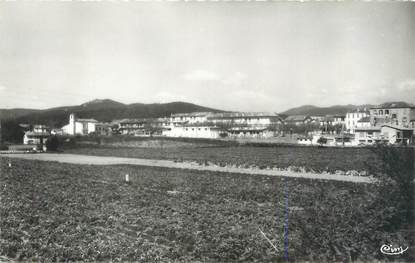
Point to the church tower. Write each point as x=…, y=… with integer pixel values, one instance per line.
x=72, y=124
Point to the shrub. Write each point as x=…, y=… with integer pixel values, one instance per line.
x=348, y=226
x=322, y=140
x=3, y=147
x=52, y=144
x=396, y=183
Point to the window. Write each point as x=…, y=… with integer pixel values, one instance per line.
x=380, y=112
x=386, y=111
x=394, y=115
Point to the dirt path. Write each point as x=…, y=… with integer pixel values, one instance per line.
x=105, y=160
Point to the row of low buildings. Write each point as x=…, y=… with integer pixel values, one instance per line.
x=391, y=122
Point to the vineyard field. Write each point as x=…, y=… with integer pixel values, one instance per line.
x=311, y=158
x=66, y=212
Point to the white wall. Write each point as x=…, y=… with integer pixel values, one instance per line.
x=91, y=127
x=192, y=132
x=69, y=128
x=362, y=124
x=352, y=118
x=189, y=119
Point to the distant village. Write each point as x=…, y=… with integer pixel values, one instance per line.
x=389, y=123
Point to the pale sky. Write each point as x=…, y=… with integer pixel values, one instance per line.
x=252, y=56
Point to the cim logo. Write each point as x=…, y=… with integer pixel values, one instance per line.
x=390, y=250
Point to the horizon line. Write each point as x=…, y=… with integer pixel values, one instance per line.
x=128, y=104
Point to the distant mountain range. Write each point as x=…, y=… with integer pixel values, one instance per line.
x=102, y=110
x=106, y=110
x=323, y=111
x=15, y=113
x=339, y=109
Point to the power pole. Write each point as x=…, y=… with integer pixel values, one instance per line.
x=342, y=133
x=0, y=135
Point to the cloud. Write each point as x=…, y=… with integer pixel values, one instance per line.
x=201, y=75
x=406, y=86
x=234, y=79
x=164, y=97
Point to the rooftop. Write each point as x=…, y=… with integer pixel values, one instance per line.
x=37, y=134
x=364, y=119
x=359, y=110
x=235, y=115
x=328, y=118
x=394, y=105
x=191, y=114
x=127, y=121
x=371, y=128
x=297, y=118
x=396, y=127
x=86, y=120
x=40, y=126
x=247, y=129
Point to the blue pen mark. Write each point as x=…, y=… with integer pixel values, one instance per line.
x=285, y=220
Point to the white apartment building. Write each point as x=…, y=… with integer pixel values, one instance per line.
x=189, y=118
x=339, y=119
x=211, y=125
x=254, y=119
x=352, y=119
x=192, y=131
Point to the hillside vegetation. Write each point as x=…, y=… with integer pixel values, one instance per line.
x=107, y=110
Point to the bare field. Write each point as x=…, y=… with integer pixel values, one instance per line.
x=310, y=158
x=253, y=171
x=66, y=212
